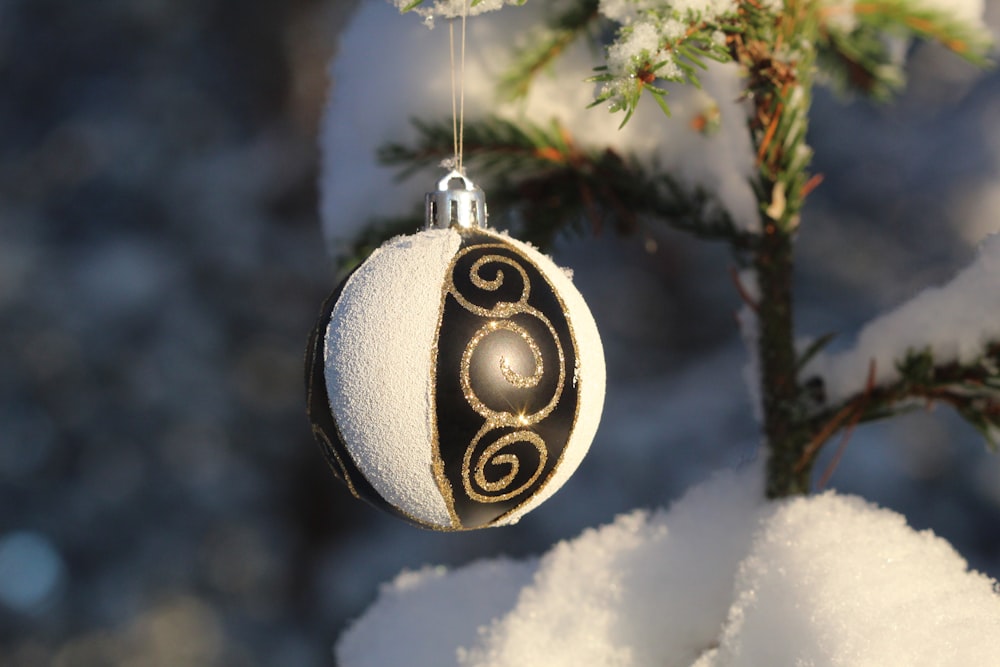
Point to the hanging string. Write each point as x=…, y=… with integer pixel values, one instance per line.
x=454, y=113
x=458, y=96
x=461, y=119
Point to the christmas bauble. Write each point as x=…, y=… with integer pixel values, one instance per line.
x=456, y=378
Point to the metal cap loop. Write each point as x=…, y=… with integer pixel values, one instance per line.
x=457, y=202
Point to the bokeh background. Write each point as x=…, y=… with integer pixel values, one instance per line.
x=161, y=264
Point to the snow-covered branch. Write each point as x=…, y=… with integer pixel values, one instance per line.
x=357, y=188
x=941, y=345
x=956, y=321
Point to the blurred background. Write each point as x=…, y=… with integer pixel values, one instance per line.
x=161, y=264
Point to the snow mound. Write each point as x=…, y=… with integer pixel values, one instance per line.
x=420, y=615
x=721, y=579
x=833, y=580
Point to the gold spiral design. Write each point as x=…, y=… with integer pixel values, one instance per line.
x=511, y=376
x=504, y=308
x=517, y=379
x=474, y=479
x=500, y=320
x=500, y=315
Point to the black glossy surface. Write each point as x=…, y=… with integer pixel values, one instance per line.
x=457, y=420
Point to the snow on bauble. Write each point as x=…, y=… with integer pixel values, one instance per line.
x=456, y=378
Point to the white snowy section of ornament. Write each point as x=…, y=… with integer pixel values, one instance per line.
x=955, y=321
x=721, y=579
x=376, y=93
x=379, y=374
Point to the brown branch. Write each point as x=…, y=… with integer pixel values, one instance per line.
x=952, y=383
x=849, y=431
x=741, y=290
x=825, y=433
x=814, y=181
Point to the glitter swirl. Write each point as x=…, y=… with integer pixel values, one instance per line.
x=503, y=458
x=508, y=409
x=503, y=367
x=485, y=299
x=504, y=384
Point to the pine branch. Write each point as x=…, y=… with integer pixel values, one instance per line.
x=779, y=56
x=910, y=18
x=674, y=59
x=972, y=389
x=545, y=45
x=549, y=185
x=552, y=186
x=861, y=59
x=492, y=145
x=777, y=52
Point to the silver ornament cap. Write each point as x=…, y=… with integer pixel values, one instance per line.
x=457, y=202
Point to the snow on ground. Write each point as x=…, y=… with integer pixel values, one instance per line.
x=833, y=580
x=955, y=320
x=425, y=611
x=721, y=579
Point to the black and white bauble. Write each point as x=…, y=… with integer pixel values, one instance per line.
x=456, y=378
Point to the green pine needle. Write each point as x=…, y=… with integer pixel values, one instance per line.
x=555, y=187
x=545, y=45
x=971, y=388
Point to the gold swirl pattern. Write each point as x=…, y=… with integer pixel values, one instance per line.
x=509, y=374
x=502, y=308
x=481, y=363
x=496, y=282
x=481, y=489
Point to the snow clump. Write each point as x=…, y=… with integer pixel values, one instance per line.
x=721, y=579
